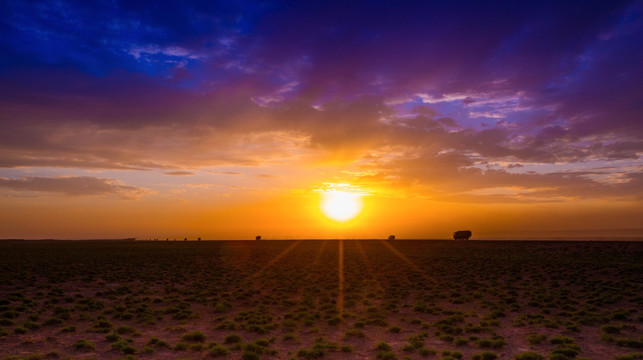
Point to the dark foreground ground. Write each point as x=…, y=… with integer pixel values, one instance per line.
x=321, y=299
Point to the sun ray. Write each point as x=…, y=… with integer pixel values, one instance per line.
x=319, y=252
x=406, y=260
x=277, y=258
x=378, y=285
x=340, y=292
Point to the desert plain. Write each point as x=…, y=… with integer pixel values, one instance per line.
x=321, y=299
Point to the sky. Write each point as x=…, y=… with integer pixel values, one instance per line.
x=230, y=119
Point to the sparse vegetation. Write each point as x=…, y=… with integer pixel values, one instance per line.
x=528, y=355
x=195, y=336
x=485, y=355
x=121, y=304
x=84, y=344
x=232, y=339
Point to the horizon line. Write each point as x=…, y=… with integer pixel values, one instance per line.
x=504, y=239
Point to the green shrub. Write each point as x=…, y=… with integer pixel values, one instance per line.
x=181, y=346
x=485, y=355
x=112, y=337
x=611, y=329
x=335, y=320
x=313, y=353
x=558, y=357
x=426, y=352
x=632, y=356
x=255, y=348
x=84, y=344
x=156, y=342
x=218, y=350
x=31, y=325
x=408, y=348
x=126, y=330
x=496, y=342
x=528, y=355
x=290, y=337
x=557, y=340
x=232, y=339
x=536, y=338
x=102, y=326
x=52, y=321
x=249, y=355
x=446, y=337
x=447, y=354
x=386, y=355
x=569, y=350
x=263, y=342
x=124, y=346
x=68, y=329
x=627, y=342
x=197, y=347
x=417, y=340
x=194, y=336
x=354, y=333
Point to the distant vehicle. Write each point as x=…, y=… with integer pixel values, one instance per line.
x=258, y=237
x=391, y=237
x=462, y=235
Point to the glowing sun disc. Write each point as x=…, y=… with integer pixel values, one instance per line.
x=341, y=205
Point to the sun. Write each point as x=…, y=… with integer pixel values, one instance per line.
x=341, y=205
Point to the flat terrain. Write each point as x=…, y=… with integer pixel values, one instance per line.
x=308, y=299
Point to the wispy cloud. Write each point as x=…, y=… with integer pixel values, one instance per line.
x=73, y=186
x=179, y=173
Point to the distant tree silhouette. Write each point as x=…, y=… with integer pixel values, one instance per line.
x=391, y=237
x=462, y=235
x=258, y=237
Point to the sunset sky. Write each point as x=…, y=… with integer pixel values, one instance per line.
x=226, y=120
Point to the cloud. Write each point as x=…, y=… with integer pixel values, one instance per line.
x=179, y=173
x=393, y=94
x=73, y=186
x=224, y=172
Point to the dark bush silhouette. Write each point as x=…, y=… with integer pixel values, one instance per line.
x=462, y=235
x=391, y=237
